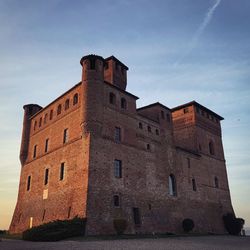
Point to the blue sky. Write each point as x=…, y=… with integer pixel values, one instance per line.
x=176, y=51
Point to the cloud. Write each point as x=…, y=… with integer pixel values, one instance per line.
x=199, y=31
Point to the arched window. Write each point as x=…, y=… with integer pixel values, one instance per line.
x=216, y=182
x=59, y=109
x=172, y=185
x=45, y=118
x=148, y=146
x=157, y=132
x=211, y=148
x=51, y=114
x=66, y=104
x=140, y=125
x=40, y=121
x=75, y=99
x=35, y=124
x=194, y=185
x=123, y=103
x=116, y=200
x=162, y=114
x=149, y=129
x=112, y=98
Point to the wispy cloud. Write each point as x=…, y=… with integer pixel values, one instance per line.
x=199, y=31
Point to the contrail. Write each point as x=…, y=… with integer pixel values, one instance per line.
x=200, y=30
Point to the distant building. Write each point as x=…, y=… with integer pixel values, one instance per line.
x=92, y=153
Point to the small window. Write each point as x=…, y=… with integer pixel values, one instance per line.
x=188, y=162
x=216, y=182
x=117, y=134
x=44, y=212
x=168, y=117
x=62, y=171
x=46, y=176
x=140, y=125
x=92, y=63
x=118, y=168
x=59, y=109
x=75, y=99
x=116, y=200
x=185, y=110
x=35, y=125
x=46, y=145
x=157, y=132
x=137, y=216
x=112, y=98
x=149, y=129
x=162, y=114
x=40, y=122
x=172, y=185
x=106, y=65
x=51, y=114
x=65, y=135
x=45, y=118
x=66, y=104
x=34, y=151
x=123, y=103
x=197, y=110
x=202, y=113
x=28, y=183
x=148, y=146
x=211, y=148
x=194, y=185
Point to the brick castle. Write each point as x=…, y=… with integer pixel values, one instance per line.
x=92, y=153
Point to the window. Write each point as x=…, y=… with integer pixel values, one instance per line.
x=148, y=146
x=118, y=168
x=172, y=185
x=185, y=110
x=45, y=118
x=46, y=145
x=69, y=211
x=59, y=109
x=116, y=200
x=112, y=98
x=28, y=183
x=216, y=182
x=162, y=114
x=46, y=176
x=117, y=134
x=66, y=104
x=137, y=217
x=123, y=103
x=197, y=110
x=35, y=125
x=106, y=65
x=40, y=122
x=92, y=63
x=168, y=117
x=140, y=125
x=149, y=129
x=194, y=185
x=211, y=148
x=62, y=171
x=44, y=212
x=34, y=151
x=157, y=132
x=188, y=162
x=65, y=135
x=51, y=114
x=75, y=99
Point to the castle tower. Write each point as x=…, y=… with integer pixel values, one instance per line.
x=29, y=111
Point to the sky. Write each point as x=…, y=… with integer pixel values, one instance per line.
x=176, y=50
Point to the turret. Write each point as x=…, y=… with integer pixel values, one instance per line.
x=29, y=110
x=92, y=92
x=115, y=72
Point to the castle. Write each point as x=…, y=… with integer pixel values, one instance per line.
x=92, y=153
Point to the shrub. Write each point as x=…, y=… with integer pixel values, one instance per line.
x=232, y=224
x=187, y=225
x=56, y=230
x=120, y=225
